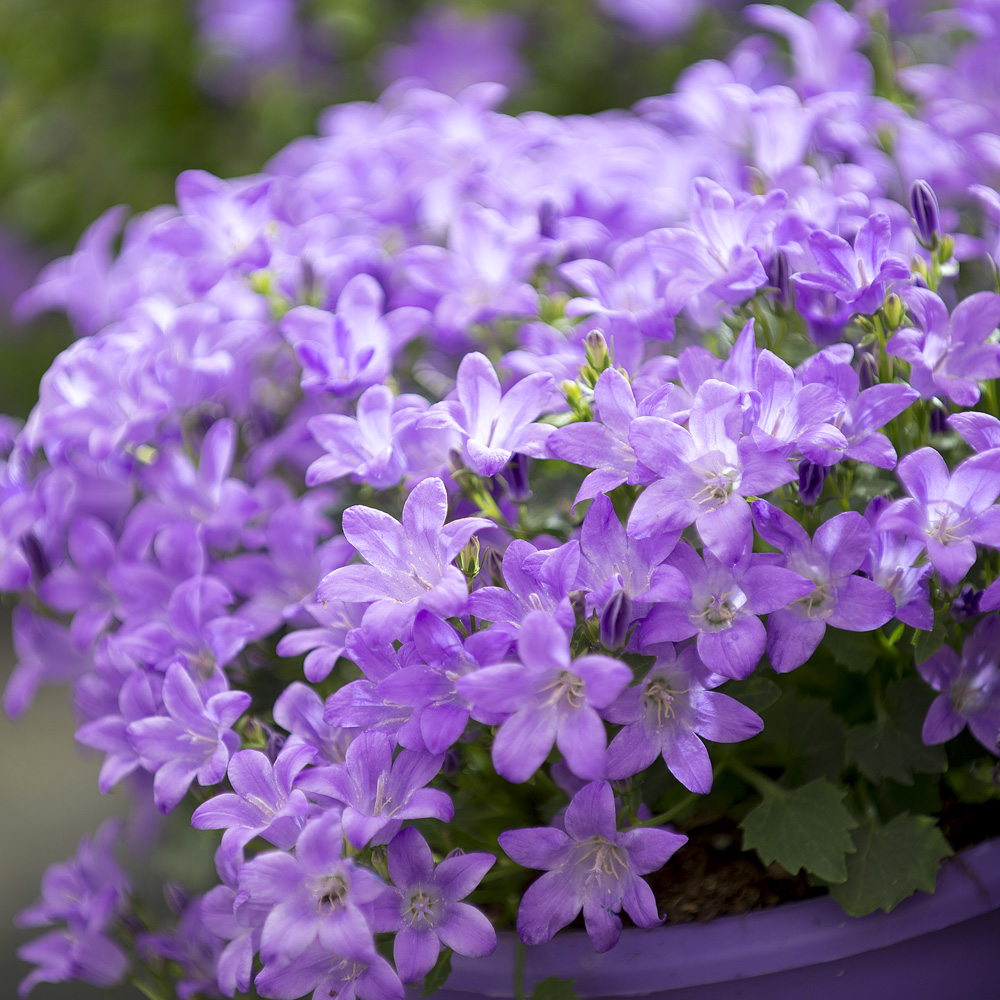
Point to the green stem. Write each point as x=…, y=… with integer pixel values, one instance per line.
x=519, y=954
x=752, y=777
x=676, y=810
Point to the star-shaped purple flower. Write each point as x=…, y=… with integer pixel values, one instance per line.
x=426, y=911
x=551, y=699
x=590, y=867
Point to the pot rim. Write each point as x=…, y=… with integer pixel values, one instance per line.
x=780, y=938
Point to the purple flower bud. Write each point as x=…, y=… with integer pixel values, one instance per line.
x=780, y=280
x=452, y=763
x=867, y=371
x=36, y=557
x=938, y=423
x=811, y=479
x=966, y=605
x=547, y=218
x=578, y=601
x=926, y=214
x=515, y=475
x=615, y=620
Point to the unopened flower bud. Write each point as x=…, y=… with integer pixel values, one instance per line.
x=811, y=479
x=515, y=475
x=615, y=620
x=925, y=211
x=966, y=605
x=578, y=602
x=37, y=559
x=938, y=423
x=867, y=370
x=893, y=309
x=780, y=280
x=468, y=558
x=947, y=249
x=596, y=347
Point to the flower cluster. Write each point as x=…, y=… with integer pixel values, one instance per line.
x=555, y=447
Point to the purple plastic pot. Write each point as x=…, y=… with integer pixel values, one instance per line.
x=940, y=947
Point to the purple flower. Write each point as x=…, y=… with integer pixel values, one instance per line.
x=493, y=425
x=366, y=446
x=950, y=512
x=450, y=51
x=839, y=597
x=426, y=911
x=969, y=688
x=949, y=355
x=80, y=952
x=602, y=444
x=858, y=276
x=724, y=250
x=264, y=804
x=550, y=699
x=428, y=681
x=890, y=564
x=365, y=976
x=980, y=430
x=668, y=715
x=536, y=581
x=590, y=867
x=194, y=739
x=315, y=896
x=345, y=352
x=379, y=793
x=705, y=471
x=409, y=562
x=723, y=608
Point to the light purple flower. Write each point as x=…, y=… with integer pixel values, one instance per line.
x=426, y=911
x=409, y=562
x=194, y=739
x=379, y=793
x=705, y=471
x=602, y=444
x=315, y=896
x=536, y=581
x=262, y=804
x=590, y=867
x=949, y=511
x=550, y=698
x=858, y=276
x=668, y=715
x=949, y=355
x=839, y=597
x=721, y=607
x=494, y=425
x=969, y=687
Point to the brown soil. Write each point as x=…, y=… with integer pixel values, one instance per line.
x=710, y=876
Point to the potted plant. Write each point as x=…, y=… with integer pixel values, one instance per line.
x=446, y=487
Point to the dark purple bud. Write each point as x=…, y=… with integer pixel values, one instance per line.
x=811, y=479
x=515, y=474
x=780, y=280
x=867, y=371
x=615, y=620
x=547, y=217
x=578, y=601
x=273, y=746
x=926, y=213
x=176, y=896
x=938, y=423
x=966, y=605
x=37, y=559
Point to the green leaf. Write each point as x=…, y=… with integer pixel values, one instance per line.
x=808, y=736
x=757, y=692
x=438, y=976
x=857, y=651
x=891, y=746
x=806, y=827
x=926, y=644
x=554, y=989
x=892, y=861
